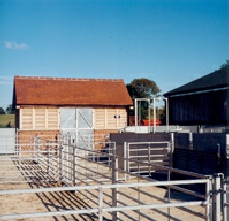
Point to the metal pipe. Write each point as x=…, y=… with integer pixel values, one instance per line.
x=114, y=181
x=154, y=114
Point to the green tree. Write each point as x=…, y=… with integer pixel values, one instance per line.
x=2, y=110
x=9, y=109
x=142, y=88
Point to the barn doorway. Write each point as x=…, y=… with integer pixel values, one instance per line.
x=78, y=123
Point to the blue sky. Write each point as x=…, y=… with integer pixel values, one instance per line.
x=169, y=41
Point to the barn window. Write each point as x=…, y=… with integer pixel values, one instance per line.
x=39, y=119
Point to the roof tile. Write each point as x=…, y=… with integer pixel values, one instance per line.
x=69, y=91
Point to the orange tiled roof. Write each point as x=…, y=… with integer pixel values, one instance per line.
x=69, y=91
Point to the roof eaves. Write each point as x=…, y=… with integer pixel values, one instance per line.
x=200, y=91
x=64, y=79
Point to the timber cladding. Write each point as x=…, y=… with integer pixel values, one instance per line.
x=77, y=106
x=48, y=118
x=110, y=118
x=39, y=118
x=203, y=101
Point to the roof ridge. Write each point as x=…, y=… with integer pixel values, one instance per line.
x=66, y=79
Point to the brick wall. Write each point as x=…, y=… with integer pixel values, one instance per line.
x=101, y=135
x=26, y=137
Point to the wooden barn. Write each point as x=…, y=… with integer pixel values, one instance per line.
x=82, y=107
x=201, y=102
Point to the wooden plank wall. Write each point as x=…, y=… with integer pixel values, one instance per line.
x=39, y=118
x=110, y=118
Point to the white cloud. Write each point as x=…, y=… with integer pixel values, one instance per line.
x=6, y=80
x=5, y=83
x=9, y=78
x=16, y=46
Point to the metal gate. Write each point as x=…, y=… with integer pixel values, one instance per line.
x=79, y=124
x=146, y=152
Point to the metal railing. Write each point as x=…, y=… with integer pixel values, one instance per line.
x=102, y=207
x=146, y=152
x=31, y=161
x=65, y=161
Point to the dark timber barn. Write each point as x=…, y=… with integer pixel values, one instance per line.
x=201, y=102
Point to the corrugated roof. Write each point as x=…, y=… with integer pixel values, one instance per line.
x=69, y=91
x=214, y=80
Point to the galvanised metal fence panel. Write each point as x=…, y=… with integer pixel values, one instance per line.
x=121, y=210
x=146, y=152
x=33, y=160
x=93, y=163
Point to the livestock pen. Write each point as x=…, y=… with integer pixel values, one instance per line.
x=65, y=179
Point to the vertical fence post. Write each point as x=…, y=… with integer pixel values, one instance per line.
x=171, y=150
x=216, y=198
x=60, y=161
x=35, y=148
x=67, y=157
x=19, y=145
x=149, y=158
x=168, y=193
x=225, y=206
x=125, y=161
x=208, y=208
x=100, y=202
x=74, y=165
x=114, y=181
x=38, y=150
x=48, y=157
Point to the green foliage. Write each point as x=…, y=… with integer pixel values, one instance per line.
x=9, y=109
x=2, y=111
x=142, y=88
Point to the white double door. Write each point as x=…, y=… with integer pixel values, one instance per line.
x=79, y=124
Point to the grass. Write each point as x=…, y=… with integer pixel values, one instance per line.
x=6, y=120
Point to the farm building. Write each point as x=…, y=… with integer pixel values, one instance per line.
x=201, y=102
x=82, y=107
